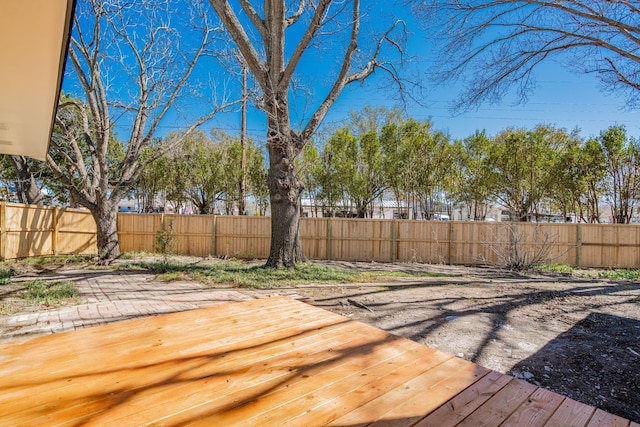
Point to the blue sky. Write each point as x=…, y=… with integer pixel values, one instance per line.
x=563, y=99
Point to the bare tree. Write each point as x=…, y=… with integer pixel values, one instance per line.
x=260, y=35
x=132, y=63
x=501, y=42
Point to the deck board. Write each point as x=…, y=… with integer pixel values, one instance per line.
x=272, y=361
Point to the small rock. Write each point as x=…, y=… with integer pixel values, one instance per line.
x=460, y=355
x=450, y=318
x=548, y=368
x=528, y=375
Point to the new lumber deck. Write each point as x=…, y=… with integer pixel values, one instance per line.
x=273, y=361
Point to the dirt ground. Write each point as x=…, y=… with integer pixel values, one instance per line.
x=575, y=335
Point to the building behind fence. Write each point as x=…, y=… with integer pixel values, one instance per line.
x=29, y=231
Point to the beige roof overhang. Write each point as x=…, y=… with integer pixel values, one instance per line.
x=34, y=37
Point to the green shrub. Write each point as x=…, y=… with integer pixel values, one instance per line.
x=5, y=275
x=555, y=268
x=166, y=240
x=620, y=275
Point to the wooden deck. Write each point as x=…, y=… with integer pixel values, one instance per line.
x=272, y=361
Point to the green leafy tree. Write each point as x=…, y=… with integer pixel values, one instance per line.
x=368, y=184
x=519, y=165
x=310, y=167
x=430, y=170
x=152, y=179
x=395, y=164
x=415, y=161
x=358, y=164
x=475, y=189
x=592, y=169
x=257, y=177
x=568, y=184
x=331, y=191
x=204, y=174
x=622, y=156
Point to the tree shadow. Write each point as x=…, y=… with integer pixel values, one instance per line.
x=604, y=349
x=234, y=378
x=601, y=351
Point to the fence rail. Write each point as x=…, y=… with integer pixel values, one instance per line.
x=29, y=230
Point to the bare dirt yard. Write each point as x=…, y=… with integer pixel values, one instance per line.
x=577, y=335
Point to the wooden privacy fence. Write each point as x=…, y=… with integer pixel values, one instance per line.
x=467, y=243
x=27, y=230
x=32, y=231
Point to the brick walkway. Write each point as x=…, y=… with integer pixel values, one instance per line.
x=110, y=296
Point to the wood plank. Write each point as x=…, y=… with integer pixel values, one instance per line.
x=347, y=365
x=410, y=403
x=145, y=375
x=170, y=377
x=536, y=410
x=571, y=414
x=119, y=332
x=458, y=408
x=501, y=405
x=248, y=381
x=332, y=402
x=262, y=362
x=203, y=336
x=146, y=331
x=603, y=419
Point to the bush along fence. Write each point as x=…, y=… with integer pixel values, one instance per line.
x=29, y=231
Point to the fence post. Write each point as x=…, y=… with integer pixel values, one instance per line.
x=213, y=236
x=54, y=231
x=451, y=243
x=329, y=238
x=3, y=231
x=394, y=241
x=514, y=241
x=579, y=246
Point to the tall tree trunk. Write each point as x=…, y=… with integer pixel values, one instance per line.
x=285, y=189
x=28, y=191
x=107, y=230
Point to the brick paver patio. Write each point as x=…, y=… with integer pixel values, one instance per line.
x=109, y=296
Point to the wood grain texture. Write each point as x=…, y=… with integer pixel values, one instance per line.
x=273, y=361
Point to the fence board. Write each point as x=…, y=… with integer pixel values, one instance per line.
x=137, y=233
x=33, y=230
x=361, y=240
x=76, y=232
x=245, y=237
x=30, y=230
x=193, y=234
x=315, y=238
x=423, y=241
